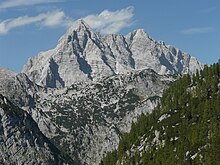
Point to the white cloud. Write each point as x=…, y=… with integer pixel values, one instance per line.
x=198, y=30
x=16, y=3
x=55, y=19
x=50, y=19
x=111, y=21
x=106, y=22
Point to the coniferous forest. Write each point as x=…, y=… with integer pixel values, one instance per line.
x=183, y=129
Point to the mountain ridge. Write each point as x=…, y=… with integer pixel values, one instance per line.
x=86, y=93
x=88, y=56
x=21, y=140
x=87, y=119
x=182, y=129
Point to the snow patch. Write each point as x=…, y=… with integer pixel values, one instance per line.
x=164, y=116
x=194, y=156
x=5, y=100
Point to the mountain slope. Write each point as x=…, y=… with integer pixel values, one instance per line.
x=87, y=119
x=85, y=93
x=90, y=118
x=21, y=141
x=22, y=92
x=83, y=55
x=184, y=129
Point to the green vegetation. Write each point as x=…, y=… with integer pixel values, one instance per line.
x=183, y=129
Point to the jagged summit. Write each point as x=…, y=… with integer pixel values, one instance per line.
x=82, y=25
x=79, y=26
x=140, y=32
x=84, y=55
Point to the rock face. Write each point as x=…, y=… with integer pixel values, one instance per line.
x=85, y=93
x=83, y=55
x=6, y=73
x=21, y=141
x=87, y=119
x=20, y=89
x=91, y=118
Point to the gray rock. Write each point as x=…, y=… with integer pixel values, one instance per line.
x=91, y=117
x=21, y=141
x=85, y=93
x=83, y=56
x=87, y=119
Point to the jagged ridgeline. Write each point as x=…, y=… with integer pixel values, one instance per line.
x=88, y=56
x=183, y=129
x=85, y=93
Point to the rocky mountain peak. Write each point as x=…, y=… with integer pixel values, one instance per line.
x=140, y=32
x=82, y=25
x=80, y=31
x=83, y=55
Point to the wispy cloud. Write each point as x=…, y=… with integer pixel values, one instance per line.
x=50, y=19
x=17, y=3
x=198, y=30
x=106, y=22
x=111, y=21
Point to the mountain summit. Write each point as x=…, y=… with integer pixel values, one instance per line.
x=106, y=83
x=85, y=55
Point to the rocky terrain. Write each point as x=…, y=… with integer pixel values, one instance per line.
x=84, y=94
x=183, y=129
x=21, y=141
x=89, y=117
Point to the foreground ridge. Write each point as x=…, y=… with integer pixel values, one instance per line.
x=183, y=129
x=21, y=141
x=86, y=120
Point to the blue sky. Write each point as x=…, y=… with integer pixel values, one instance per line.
x=30, y=26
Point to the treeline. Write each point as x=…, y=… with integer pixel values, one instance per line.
x=183, y=129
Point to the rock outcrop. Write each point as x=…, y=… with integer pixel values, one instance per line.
x=21, y=141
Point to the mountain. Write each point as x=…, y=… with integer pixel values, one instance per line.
x=86, y=120
x=90, y=118
x=183, y=129
x=22, y=92
x=85, y=94
x=21, y=141
x=84, y=56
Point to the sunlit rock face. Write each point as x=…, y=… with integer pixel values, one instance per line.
x=83, y=55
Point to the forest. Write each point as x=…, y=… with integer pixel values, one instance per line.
x=183, y=129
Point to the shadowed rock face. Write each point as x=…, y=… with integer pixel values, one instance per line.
x=21, y=141
x=83, y=55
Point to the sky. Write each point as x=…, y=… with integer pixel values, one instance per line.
x=28, y=27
